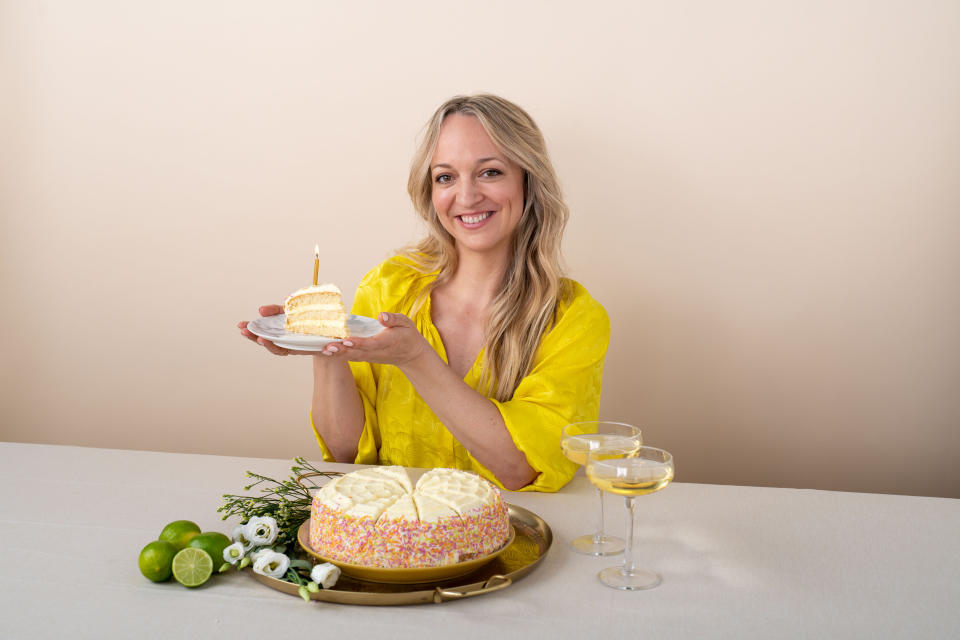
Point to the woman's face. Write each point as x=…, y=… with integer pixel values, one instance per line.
x=477, y=191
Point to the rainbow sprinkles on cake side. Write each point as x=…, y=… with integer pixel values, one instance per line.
x=317, y=310
x=376, y=517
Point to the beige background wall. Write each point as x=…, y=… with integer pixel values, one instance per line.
x=765, y=196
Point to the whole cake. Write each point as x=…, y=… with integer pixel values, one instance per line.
x=316, y=310
x=375, y=517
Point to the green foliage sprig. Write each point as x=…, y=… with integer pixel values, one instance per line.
x=287, y=501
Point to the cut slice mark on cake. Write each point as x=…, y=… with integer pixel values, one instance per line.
x=432, y=510
x=391, y=474
x=403, y=508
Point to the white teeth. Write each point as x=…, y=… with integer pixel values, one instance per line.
x=475, y=219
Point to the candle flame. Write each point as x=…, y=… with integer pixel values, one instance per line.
x=316, y=250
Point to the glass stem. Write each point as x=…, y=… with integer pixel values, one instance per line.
x=628, y=565
x=598, y=536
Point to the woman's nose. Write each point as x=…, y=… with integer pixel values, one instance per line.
x=468, y=194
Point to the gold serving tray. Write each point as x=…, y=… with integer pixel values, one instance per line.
x=531, y=542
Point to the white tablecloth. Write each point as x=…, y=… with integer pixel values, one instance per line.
x=737, y=562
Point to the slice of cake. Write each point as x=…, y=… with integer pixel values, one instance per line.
x=375, y=517
x=317, y=311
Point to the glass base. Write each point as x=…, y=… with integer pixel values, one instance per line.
x=607, y=545
x=636, y=580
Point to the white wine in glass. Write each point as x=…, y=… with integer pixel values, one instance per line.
x=576, y=448
x=613, y=439
x=648, y=470
x=633, y=487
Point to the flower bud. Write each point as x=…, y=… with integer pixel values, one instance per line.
x=325, y=574
x=240, y=535
x=233, y=553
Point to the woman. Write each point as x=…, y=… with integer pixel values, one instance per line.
x=487, y=352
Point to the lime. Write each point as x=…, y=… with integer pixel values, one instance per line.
x=213, y=542
x=155, y=560
x=179, y=533
x=192, y=567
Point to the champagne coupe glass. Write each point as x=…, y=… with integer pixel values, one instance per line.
x=649, y=470
x=614, y=438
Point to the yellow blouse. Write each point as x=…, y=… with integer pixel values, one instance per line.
x=563, y=385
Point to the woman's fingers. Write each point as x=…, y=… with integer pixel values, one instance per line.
x=282, y=351
x=389, y=346
x=358, y=346
x=272, y=348
x=246, y=333
x=338, y=348
x=269, y=310
x=349, y=349
x=265, y=310
x=399, y=343
x=394, y=320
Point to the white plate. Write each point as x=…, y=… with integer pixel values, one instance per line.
x=271, y=328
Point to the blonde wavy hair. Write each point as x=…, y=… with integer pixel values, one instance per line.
x=533, y=284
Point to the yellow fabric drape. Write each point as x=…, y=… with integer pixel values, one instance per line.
x=563, y=385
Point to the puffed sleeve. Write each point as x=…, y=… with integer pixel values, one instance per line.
x=562, y=387
x=368, y=301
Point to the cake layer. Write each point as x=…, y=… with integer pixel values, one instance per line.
x=314, y=301
x=329, y=314
x=375, y=517
x=339, y=330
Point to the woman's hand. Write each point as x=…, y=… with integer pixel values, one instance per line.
x=270, y=310
x=398, y=344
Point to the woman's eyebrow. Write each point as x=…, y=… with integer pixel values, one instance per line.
x=480, y=161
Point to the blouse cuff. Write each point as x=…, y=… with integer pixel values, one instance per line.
x=539, y=440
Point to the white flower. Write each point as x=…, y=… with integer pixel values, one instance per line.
x=272, y=564
x=240, y=535
x=261, y=530
x=325, y=574
x=260, y=552
x=233, y=553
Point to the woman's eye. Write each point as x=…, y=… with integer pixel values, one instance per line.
x=490, y=173
x=443, y=178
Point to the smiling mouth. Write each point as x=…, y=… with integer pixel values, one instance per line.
x=474, y=218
